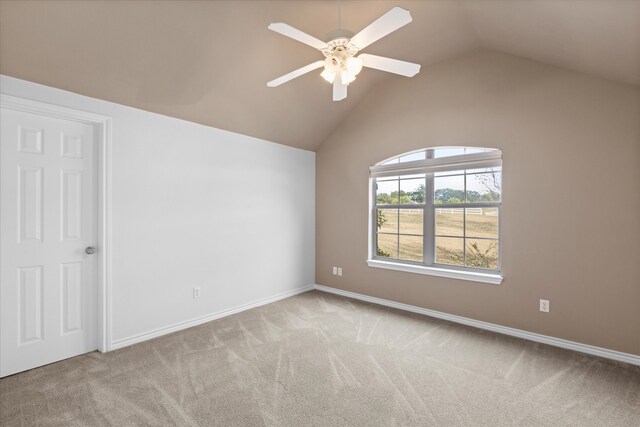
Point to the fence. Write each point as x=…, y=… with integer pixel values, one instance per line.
x=470, y=211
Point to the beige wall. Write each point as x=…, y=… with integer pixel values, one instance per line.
x=571, y=188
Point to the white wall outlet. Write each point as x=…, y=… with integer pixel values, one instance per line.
x=196, y=293
x=335, y=270
x=339, y=271
x=544, y=305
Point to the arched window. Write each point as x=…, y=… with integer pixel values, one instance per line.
x=437, y=211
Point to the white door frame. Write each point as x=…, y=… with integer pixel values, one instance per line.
x=102, y=125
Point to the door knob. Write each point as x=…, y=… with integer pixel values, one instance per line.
x=90, y=250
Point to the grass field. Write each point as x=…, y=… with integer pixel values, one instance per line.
x=481, y=223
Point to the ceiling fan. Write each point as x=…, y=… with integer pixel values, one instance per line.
x=341, y=65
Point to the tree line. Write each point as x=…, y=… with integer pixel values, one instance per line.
x=441, y=196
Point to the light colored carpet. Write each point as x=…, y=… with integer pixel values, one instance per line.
x=319, y=359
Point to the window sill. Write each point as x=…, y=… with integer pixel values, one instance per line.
x=494, y=279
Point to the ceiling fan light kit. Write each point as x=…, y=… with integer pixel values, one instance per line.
x=339, y=60
x=341, y=65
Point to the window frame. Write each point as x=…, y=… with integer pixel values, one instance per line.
x=429, y=167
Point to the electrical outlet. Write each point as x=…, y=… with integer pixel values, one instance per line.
x=335, y=270
x=339, y=271
x=544, y=305
x=196, y=293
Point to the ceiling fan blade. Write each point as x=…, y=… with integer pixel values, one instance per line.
x=339, y=89
x=296, y=34
x=386, y=24
x=408, y=69
x=296, y=73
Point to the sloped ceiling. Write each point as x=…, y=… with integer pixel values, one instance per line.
x=592, y=36
x=208, y=62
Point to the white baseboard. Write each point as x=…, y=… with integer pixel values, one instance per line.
x=545, y=339
x=125, y=342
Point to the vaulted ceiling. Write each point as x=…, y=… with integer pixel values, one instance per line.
x=208, y=62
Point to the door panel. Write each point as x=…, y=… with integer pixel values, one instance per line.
x=30, y=305
x=71, y=297
x=71, y=185
x=30, y=204
x=48, y=284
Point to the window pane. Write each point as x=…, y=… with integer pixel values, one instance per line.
x=446, y=152
x=387, y=220
x=482, y=253
x=387, y=192
x=412, y=191
x=449, y=250
x=388, y=245
x=411, y=248
x=484, y=187
x=450, y=222
x=482, y=222
x=420, y=155
x=448, y=189
x=411, y=221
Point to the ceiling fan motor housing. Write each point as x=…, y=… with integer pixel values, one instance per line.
x=340, y=44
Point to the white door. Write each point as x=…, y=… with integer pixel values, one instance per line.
x=48, y=283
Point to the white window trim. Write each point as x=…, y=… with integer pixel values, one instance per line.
x=494, y=279
x=475, y=160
